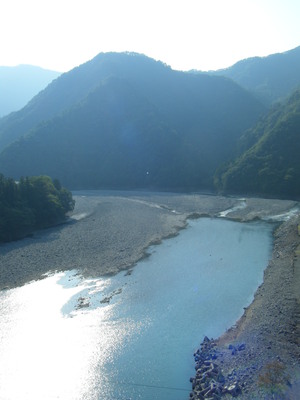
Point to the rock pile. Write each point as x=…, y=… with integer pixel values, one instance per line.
x=209, y=383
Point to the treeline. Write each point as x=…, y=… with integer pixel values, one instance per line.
x=270, y=163
x=32, y=203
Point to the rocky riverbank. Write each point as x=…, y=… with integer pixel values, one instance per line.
x=109, y=232
x=259, y=356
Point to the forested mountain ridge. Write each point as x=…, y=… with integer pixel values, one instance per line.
x=125, y=120
x=109, y=138
x=19, y=84
x=156, y=81
x=270, y=166
x=73, y=87
x=270, y=78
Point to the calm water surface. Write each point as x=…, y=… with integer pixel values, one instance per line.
x=136, y=334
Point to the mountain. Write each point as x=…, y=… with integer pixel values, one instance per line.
x=126, y=120
x=270, y=78
x=114, y=138
x=270, y=166
x=19, y=84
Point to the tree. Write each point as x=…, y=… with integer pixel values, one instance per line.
x=32, y=203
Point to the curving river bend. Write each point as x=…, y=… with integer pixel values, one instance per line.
x=131, y=336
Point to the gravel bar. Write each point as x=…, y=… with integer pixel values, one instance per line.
x=110, y=231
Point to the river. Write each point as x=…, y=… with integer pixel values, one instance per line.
x=131, y=336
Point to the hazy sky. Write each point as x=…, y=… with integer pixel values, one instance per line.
x=185, y=34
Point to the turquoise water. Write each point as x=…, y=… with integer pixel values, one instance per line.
x=131, y=336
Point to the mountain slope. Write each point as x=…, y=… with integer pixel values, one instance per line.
x=19, y=84
x=114, y=138
x=177, y=94
x=119, y=116
x=271, y=78
x=270, y=166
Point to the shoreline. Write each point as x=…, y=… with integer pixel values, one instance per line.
x=112, y=233
x=268, y=332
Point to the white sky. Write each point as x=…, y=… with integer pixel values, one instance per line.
x=185, y=34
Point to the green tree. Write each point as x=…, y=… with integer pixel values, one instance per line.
x=32, y=203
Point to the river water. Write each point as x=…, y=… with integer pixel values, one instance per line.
x=131, y=336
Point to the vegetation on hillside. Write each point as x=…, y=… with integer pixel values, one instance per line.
x=127, y=121
x=123, y=120
x=32, y=203
x=271, y=165
x=270, y=78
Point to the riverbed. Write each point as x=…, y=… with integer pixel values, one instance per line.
x=131, y=336
x=108, y=233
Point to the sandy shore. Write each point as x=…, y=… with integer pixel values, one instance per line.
x=110, y=231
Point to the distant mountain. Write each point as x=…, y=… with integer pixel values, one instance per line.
x=125, y=120
x=270, y=166
x=270, y=78
x=19, y=84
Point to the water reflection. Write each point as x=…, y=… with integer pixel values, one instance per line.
x=44, y=354
x=130, y=336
